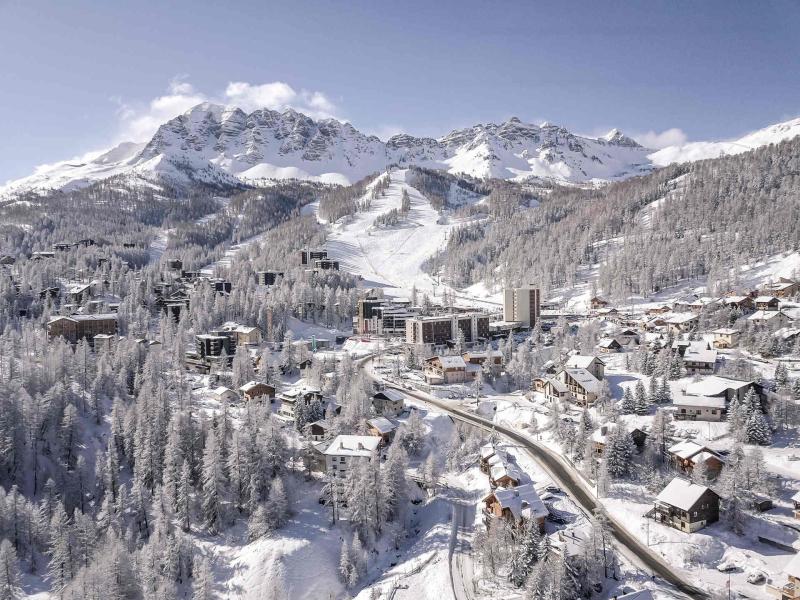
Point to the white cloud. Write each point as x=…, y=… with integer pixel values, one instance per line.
x=139, y=123
x=279, y=96
x=657, y=141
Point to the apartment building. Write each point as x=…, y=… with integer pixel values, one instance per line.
x=441, y=329
x=521, y=305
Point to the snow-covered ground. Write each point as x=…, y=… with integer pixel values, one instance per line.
x=392, y=257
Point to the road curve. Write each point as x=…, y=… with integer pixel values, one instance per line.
x=570, y=481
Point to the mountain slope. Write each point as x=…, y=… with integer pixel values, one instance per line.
x=702, y=150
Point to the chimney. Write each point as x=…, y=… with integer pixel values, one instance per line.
x=360, y=446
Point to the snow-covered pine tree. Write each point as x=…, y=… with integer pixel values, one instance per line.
x=628, y=404
x=641, y=405
x=214, y=490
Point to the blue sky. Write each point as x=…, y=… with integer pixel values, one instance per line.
x=78, y=76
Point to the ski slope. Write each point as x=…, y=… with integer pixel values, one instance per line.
x=392, y=257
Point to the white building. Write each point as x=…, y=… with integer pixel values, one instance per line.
x=348, y=450
x=521, y=305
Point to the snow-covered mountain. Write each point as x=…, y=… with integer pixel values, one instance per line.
x=226, y=146
x=701, y=150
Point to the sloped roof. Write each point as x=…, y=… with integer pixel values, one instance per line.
x=714, y=385
x=521, y=501
x=353, y=445
x=586, y=379
x=685, y=449
x=793, y=566
x=681, y=493
x=452, y=362
x=640, y=595
x=699, y=352
x=390, y=394
x=700, y=401
x=581, y=361
x=382, y=425
x=250, y=385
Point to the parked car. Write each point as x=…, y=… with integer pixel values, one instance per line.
x=756, y=577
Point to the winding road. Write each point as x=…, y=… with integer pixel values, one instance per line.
x=565, y=475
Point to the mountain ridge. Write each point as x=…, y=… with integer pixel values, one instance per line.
x=226, y=146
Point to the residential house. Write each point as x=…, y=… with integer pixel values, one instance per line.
x=553, y=389
x=628, y=337
x=686, y=454
x=699, y=408
x=594, y=365
x=767, y=303
x=76, y=293
x=346, y=451
x=479, y=358
x=382, y=428
x=318, y=430
x=699, y=358
x=773, y=318
x=702, y=303
x=783, y=288
x=290, y=398
x=583, y=386
x=388, y=402
x=686, y=506
x=658, y=310
x=600, y=438
x=609, y=345
x=597, y=302
x=681, y=323
x=743, y=304
x=726, y=337
x=722, y=387
x=224, y=393
x=503, y=473
x=518, y=505
x=445, y=369
x=258, y=390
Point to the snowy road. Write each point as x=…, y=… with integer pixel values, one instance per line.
x=461, y=573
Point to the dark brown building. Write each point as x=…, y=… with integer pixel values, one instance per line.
x=686, y=506
x=440, y=330
x=78, y=327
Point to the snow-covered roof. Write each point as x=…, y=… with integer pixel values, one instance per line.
x=764, y=315
x=726, y=331
x=580, y=361
x=558, y=385
x=700, y=401
x=353, y=445
x=505, y=469
x=586, y=379
x=734, y=299
x=705, y=456
x=608, y=343
x=681, y=493
x=796, y=497
x=222, y=390
x=250, y=385
x=685, y=449
x=681, y=319
x=391, y=394
x=699, y=352
x=521, y=501
x=382, y=425
x=713, y=385
x=765, y=299
x=450, y=362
